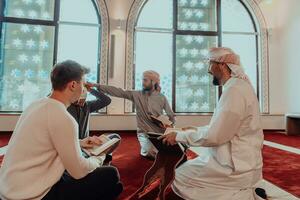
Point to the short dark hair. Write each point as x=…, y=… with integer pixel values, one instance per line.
x=65, y=72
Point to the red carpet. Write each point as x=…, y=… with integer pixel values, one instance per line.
x=282, y=168
x=4, y=138
x=281, y=138
x=130, y=164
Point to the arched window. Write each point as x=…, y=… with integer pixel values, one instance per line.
x=174, y=36
x=35, y=34
x=240, y=33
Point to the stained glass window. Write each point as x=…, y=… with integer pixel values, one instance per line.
x=27, y=57
x=182, y=49
x=30, y=9
x=197, y=15
x=194, y=91
x=29, y=47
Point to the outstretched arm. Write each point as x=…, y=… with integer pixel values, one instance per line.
x=101, y=101
x=116, y=92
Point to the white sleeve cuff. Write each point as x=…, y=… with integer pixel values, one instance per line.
x=95, y=162
x=181, y=137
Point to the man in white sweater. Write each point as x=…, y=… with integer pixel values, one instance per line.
x=45, y=144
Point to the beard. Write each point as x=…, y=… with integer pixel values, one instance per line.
x=147, y=88
x=216, y=81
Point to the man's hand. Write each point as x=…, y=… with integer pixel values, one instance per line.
x=168, y=126
x=89, y=85
x=90, y=142
x=194, y=128
x=169, y=139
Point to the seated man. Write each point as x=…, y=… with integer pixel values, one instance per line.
x=81, y=110
x=45, y=143
x=148, y=102
x=230, y=165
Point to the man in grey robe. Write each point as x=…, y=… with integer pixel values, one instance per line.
x=149, y=101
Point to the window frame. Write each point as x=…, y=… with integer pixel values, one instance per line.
x=55, y=23
x=256, y=33
x=218, y=33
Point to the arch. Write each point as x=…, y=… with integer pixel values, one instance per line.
x=102, y=9
x=251, y=5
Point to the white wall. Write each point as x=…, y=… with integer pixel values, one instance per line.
x=118, y=10
x=128, y=122
x=283, y=20
x=291, y=52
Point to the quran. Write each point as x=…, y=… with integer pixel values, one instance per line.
x=161, y=120
x=107, y=144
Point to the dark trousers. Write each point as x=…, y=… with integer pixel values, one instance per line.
x=101, y=184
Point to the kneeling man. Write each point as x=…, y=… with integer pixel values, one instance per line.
x=230, y=165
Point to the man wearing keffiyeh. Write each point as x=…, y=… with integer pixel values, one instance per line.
x=224, y=59
x=229, y=166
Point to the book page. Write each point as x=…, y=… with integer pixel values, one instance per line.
x=162, y=119
x=153, y=134
x=103, y=138
x=165, y=120
x=97, y=150
x=167, y=131
x=106, y=144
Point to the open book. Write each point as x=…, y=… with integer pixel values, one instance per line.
x=107, y=146
x=167, y=131
x=153, y=137
x=161, y=120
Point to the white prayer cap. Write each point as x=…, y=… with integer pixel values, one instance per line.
x=152, y=75
x=227, y=56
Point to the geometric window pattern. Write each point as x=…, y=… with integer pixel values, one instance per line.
x=30, y=31
x=183, y=37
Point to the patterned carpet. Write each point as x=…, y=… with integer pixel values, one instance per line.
x=280, y=167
